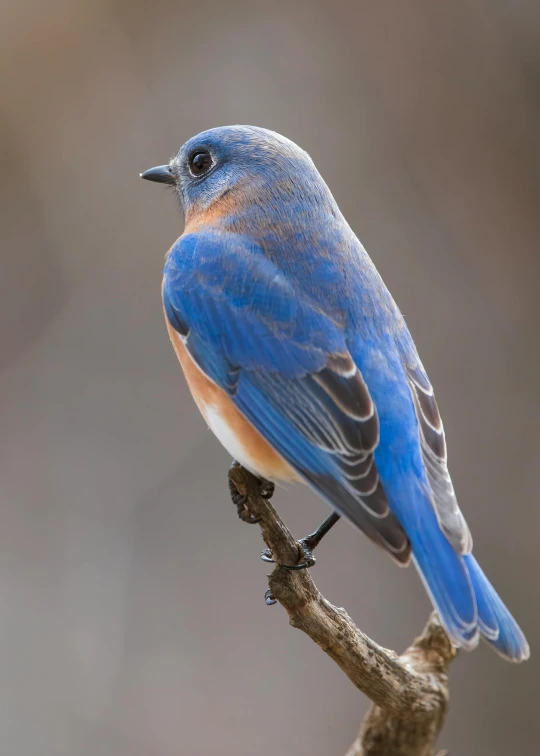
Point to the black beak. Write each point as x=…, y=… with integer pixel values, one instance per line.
x=161, y=174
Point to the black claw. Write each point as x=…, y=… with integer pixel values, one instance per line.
x=249, y=518
x=240, y=500
x=306, y=550
x=269, y=599
x=266, y=490
x=246, y=516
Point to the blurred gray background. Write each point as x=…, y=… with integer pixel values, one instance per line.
x=133, y=620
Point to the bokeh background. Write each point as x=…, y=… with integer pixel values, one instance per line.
x=132, y=613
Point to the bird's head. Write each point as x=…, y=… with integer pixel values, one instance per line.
x=227, y=168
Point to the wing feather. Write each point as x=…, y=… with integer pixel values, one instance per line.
x=433, y=446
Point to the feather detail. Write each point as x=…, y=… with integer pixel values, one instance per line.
x=433, y=447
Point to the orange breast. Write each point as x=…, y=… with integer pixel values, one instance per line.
x=239, y=437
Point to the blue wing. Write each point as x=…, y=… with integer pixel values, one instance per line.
x=353, y=414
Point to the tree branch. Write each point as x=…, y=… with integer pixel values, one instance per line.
x=409, y=692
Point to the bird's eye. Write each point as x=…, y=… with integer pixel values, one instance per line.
x=200, y=163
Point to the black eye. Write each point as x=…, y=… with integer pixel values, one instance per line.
x=200, y=162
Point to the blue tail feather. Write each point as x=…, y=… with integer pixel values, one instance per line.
x=465, y=600
x=495, y=622
x=447, y=581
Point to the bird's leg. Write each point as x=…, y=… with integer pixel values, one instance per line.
x=266, y=490
x=306, y=545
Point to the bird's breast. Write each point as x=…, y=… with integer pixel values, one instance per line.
x=243, y=442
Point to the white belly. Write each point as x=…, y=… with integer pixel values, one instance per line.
x=226, y=436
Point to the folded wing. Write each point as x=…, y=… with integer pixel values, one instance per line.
x=286, y=366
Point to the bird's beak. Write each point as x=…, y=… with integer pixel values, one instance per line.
x=161, y=174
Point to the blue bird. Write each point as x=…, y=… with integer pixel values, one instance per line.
x=302, y=365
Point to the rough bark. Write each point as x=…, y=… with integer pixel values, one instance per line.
x=409, y=692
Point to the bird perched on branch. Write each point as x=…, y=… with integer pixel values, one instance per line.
x=302, y=365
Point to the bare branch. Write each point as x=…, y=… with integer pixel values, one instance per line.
x=409, y=692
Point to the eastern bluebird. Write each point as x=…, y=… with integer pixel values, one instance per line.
x=302, y=365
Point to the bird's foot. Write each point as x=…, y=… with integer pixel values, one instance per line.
x=266, y=490
x=305, y=554
x=306, y=546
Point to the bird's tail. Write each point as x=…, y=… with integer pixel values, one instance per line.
x=495, y=622
x=463, y=596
